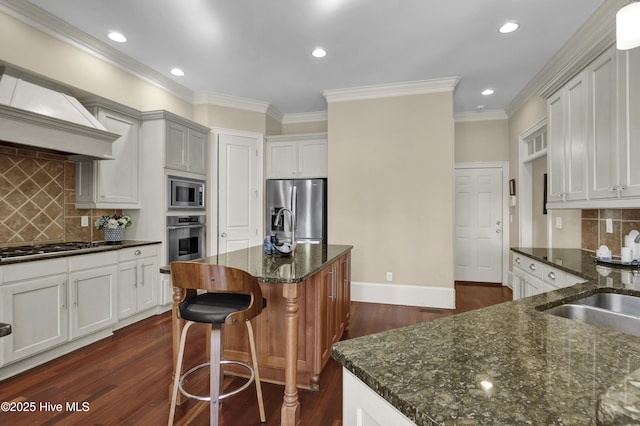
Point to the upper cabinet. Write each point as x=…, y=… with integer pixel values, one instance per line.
x=594, y=136
x=297, y=156
x=112, y=183
x=185, y=148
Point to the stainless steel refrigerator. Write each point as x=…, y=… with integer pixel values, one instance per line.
x=307, y=199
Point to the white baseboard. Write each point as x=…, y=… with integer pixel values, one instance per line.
x=401, y=294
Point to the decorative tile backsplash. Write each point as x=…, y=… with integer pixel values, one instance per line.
x=37, y=199
x=594, y=228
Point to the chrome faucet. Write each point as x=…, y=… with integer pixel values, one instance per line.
x=292, y=228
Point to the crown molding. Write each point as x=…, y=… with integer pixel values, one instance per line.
x=305, y=117
x=59, y=29
x=595, y=36
x=389, y=90
x=297, y=137
x=495, y=114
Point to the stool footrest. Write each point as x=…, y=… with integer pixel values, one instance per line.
x=222, y=396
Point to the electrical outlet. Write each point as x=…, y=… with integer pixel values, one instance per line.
x=559, y=222
x=84, y=221
x=609, y=226
x=389, y=276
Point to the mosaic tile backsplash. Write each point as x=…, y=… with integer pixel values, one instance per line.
x=37, y=199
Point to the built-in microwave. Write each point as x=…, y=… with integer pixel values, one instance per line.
x=185, y=193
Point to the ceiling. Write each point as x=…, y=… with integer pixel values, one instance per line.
x=261, y=49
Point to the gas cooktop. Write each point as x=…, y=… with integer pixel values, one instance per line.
x=19, y=252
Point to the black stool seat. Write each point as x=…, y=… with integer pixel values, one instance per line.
x=213, y=308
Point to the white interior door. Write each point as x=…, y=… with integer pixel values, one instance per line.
x=478, y=225
x=239, y=190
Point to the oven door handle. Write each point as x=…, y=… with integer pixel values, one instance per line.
x=171, y=228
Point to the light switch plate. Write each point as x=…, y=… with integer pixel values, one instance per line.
x=84, y=221
x=559, y=222
x=609, y=226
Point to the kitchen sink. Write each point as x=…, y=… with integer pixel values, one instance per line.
x=619, y=312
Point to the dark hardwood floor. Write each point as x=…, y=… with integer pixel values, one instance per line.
x=124, y=378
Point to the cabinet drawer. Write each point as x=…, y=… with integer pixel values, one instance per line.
x=91, y=261
x=35, y=269
x=553, y=276
x=530, y=266
x=139, y=252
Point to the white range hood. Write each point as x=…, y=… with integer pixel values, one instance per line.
x=39, y=114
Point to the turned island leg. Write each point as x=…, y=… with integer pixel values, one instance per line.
x=177, y=324
x=290, y=413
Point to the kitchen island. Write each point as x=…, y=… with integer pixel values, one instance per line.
x=507, y=364
x=308, y=297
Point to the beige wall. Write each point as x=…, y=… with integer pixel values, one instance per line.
x=216, y=116
x=391, y=187
x=482, y=141
x=308, y=127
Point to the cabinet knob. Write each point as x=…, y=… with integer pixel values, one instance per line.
x=137, y=253
x=517, y=260
x=532, y=267
x=551, y=275
x=498, y=231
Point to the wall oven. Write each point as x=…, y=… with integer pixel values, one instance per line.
x=185, y=193
x=185, y=238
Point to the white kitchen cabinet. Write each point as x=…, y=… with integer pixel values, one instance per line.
x=361, y=406
x=297, y=156
x=531, y=277
x=567, y=115
x=112, y=183
x=34, y=301
x=185, y=148
x=629, y=134
x=138, y=280
x=92, y=292
x=603, y=132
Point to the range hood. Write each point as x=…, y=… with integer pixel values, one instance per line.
x=40, y=114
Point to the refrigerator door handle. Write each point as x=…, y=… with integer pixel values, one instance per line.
x=294, y=208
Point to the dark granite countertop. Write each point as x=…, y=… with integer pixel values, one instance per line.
x=307, y=260
x=101, y=246
x=544, y=370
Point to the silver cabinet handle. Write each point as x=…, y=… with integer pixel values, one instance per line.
x=498, y=222
x=75, y=302
x=65, y=295
x=137, y=253
x=498, y=231
x=517, y=260
x=532, y=267
x=142, y=273
x=223, y=235
x=135, y=276
x=551, y=275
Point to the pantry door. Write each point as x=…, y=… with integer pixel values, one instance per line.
x=479, y=224
x=239, y=189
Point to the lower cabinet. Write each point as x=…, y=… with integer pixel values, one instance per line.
x=58, y=305
x=531, y=277
x=36, y=305
x=138, y=279
x=361, y=406
x=92, y=292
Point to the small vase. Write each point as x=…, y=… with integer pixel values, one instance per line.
x=113, y=235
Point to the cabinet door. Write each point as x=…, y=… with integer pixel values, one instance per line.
x=281, y=160
x=176, y=146
x=556, y=154
x=312, y=159
x=118, y=179
x=603, y=135
x=196, y=152
x=38, y=312
x=92, y=296
x=576, y=138
x=147, y=283
x=127, y=295
x=630, y=124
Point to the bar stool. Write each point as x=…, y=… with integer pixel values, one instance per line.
x=232, y=296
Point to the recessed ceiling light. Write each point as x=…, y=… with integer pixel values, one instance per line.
x=177, y=72
x=115, y=36
x=487, y=92
x=319, y=52
x=509, y=27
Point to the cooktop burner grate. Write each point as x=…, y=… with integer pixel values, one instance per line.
x=22, y=251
